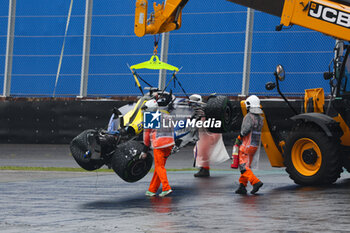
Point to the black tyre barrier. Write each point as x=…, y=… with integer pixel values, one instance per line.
x=126, y=162
x=220, y=108
x=79, y=147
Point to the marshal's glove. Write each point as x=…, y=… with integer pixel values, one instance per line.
x=144, y=152
x=143, y=155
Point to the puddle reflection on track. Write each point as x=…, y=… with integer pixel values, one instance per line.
x=196, y=205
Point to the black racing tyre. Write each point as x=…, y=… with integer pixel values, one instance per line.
x=126, y=162
x=220, y=108
x=79, y=147
x=311, y=157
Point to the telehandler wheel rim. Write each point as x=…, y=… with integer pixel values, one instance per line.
x=305, y=168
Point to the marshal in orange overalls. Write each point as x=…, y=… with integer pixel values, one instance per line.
x=250, y=135
x=162, y=141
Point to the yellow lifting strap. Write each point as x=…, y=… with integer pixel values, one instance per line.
x=154, y=64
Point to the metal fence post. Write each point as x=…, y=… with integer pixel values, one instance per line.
x=9, y=47
x=86, y=49
x=163, y=58
x=247, y=52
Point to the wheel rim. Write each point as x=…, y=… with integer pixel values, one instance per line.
x=306, y=156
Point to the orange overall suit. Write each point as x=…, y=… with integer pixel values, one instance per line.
x=250, y=136
x=162, y=141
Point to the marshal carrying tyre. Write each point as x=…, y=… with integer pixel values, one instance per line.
x=126, y=162
x=79, y=147
x=220, y=108
x=311, y=157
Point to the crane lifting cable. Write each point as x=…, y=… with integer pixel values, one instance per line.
x=153, y=64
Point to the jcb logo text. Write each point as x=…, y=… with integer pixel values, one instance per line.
x=329, y=14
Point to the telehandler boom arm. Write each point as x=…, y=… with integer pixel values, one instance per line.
x=329, y=17
x=165, y=18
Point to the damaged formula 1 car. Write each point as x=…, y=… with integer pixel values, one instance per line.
x=117, y=146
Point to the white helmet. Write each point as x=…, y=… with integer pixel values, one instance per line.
x=253, y=104
x=196, y=98
x=150, y=105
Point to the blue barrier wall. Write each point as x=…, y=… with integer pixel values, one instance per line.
x=209, y=47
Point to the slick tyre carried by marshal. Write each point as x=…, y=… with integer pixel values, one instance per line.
x=311, y=157
x=127, y=164
x=220, y=108
x=79, y=147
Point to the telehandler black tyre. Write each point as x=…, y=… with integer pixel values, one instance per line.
x=79, y=147
x=346, y=160
x=311, y=157
x=127, y=164
x=220, y=108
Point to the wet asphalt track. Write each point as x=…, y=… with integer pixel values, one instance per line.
x=101, y=202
